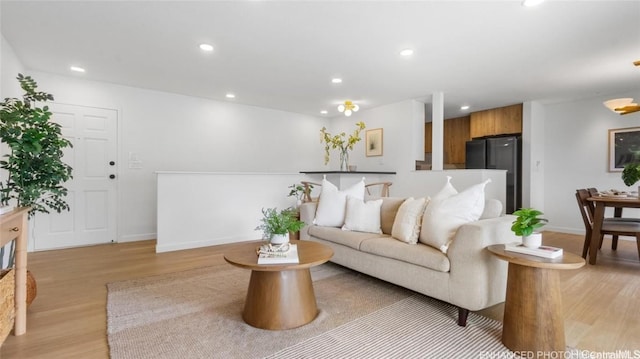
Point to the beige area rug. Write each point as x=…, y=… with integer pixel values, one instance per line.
x=197, y=314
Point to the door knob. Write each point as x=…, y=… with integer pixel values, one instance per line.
x=112, y=176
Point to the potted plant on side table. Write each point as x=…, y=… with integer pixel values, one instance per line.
x=526, y=224
x=276, y=225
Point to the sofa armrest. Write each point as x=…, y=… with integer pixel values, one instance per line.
x=307, y=214
x=476, y=275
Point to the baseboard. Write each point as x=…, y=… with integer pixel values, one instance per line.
x=567, y=230
x=198, y=244
x=579, y=232
x=137, y=237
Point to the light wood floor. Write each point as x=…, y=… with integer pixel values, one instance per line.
x=68, y=317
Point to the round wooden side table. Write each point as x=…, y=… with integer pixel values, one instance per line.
x=533, y=319
x=280, y=296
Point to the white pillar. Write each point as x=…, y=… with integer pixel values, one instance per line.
x=533, y=118
x=437, y=136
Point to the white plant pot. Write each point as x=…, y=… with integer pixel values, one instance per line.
x=534, y=240
x=280, y=239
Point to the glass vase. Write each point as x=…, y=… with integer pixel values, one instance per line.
x=344, y=160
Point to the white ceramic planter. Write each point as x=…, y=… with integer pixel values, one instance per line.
x=534, y=240
x=280, y=239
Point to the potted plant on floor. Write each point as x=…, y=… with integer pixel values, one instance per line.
x=526, y=224
x=34, y=170
x=276, y=225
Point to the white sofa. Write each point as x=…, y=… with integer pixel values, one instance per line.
x=467, y=276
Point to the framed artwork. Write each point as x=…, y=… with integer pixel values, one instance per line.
x=374, y=142
x=624, y=147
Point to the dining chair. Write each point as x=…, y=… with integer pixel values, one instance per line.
x=617, y=216
x=308, y=187
x=382, y=192
x=611, y=226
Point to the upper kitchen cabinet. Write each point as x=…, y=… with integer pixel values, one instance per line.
x=497, y=121
x=456, y=134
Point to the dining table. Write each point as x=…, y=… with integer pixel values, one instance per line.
x=601, y=202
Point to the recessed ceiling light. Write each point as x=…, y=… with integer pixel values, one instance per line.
x=76, y=69
x=206, y=47
x=324, y=112
x=336, y=80
x=406, y=52
x=465, y=107
x=529, y=3
x=230, y=95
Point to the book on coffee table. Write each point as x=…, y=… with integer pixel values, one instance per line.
x=290, y=256
x=542, y=251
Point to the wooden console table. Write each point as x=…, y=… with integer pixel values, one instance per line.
x=13, y=226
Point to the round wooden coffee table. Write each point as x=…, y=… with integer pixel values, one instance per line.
x=533, y=320
x=280, y=296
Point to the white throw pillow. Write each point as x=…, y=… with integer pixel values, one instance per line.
x=332, y=203
x=362, y=216
x=406, y=225
x=447, y=191
x=442, y=218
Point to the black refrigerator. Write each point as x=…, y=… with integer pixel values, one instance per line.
x=504, y=153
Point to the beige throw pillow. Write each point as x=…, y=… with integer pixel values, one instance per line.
x=406, y=226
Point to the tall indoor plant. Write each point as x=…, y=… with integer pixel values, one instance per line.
x=34, y=170
x=33, y=166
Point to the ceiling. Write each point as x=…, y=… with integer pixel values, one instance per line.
x=283, y=54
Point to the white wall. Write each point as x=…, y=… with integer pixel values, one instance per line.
x=400, y=138
x=205, y=209
x=533, y=156
x=169, y=132
x=576, y=148
x=10, y=67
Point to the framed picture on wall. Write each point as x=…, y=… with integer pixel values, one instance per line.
x=374, y=142
x=624, y=147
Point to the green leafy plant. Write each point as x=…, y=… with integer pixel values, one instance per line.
x=340, y=141
x=631, y=173
x=279, y=222
x=34, y=167
x=297, y=190
x=527, y=221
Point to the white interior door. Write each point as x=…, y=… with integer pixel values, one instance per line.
x=93, y=189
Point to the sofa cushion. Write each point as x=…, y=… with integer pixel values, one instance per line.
x=362, y=216
x=419, y=254
x=332, y=203
x=337, y=235
x=443, y=217
x=406, y=226
x=388, y=211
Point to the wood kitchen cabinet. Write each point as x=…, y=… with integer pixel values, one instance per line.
x=497, y=121
x=456, y=134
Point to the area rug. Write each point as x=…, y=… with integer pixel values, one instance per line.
x=197, y=314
